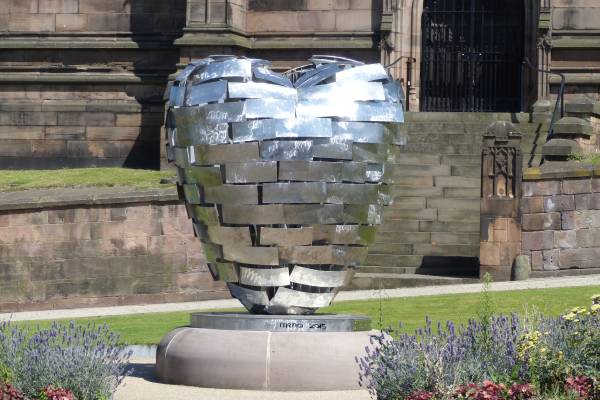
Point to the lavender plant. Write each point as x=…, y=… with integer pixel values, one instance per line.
x=84, y=359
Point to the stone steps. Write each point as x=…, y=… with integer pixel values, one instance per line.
x=434, y=220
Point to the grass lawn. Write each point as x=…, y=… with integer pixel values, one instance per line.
x=150, y=328
x=81, y=177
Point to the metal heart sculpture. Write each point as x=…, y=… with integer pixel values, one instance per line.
x=284, y=175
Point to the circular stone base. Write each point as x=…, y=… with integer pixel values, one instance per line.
x=259, y=359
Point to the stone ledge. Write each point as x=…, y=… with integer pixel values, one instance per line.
x=79, y=77
x=559, y=170
x=123, y=106
x=90, y=196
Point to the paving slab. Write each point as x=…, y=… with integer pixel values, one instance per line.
x=142, y=385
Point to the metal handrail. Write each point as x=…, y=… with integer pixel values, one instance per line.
x=559, y=100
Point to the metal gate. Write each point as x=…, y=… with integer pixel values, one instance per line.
x=471, y=55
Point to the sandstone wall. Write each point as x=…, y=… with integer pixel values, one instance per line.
x=561, y=223
x=98, y=248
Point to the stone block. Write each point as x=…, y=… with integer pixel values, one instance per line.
x=561, y=148
x=408, y=202
x=543, y=105
x=438, y=226
x=537, y=262
x=104, y=6
x=541, y=221
x=572, y=126
x=22, y=6
x=453, y=238
x=65, y=132
x=550, y=259
x=584, y=219
x=588, y=238
x=414, y=181
x=59, y=6
x=532, y=204
x=579, y=258
x=317, y=21
x=31, y=22
x=596, y=185
x=541, y=188
x=576, y=186
x=565, y=239
x=498, y=273
x=454, y=204
x=582, y=106
x=513, y=231
x=21, y=133
x=109, y=22
x=543, y=240
x=48, y=148
x=86, y=119
x=521, y=268
x=113, y=133
x=76, y=148
x=450, y=215
x=71, y=22
x=588, y=201
x=457, y=181
x=559, y=203
x=353, y=21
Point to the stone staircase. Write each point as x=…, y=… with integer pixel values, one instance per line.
x=430, y=234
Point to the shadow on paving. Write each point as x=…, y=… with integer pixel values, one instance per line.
x=142, y=370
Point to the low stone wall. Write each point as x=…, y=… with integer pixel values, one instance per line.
x=98, y=247
x=561, y=220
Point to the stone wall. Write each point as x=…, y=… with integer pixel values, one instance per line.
x=98, y=247
x=561, y=220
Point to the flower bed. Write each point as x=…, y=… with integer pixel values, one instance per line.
x=494, y=357
x=63, y=362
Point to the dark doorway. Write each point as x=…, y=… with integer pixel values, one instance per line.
x=471, y=55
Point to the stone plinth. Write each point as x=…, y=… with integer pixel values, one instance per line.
x=258, y=352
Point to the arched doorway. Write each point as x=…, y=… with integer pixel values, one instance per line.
x=471, y=55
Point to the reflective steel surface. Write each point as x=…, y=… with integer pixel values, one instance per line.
x=284, y=175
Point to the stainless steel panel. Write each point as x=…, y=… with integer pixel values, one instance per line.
x=269, y=108
x=208, y=215
x=251, y=255
x=351, y=193
x=259, y=90
x=354, y=172
x=369, y=72
x=332, y=149
x=264, y=276
x=224, y=272
x=206, y=93
x=306, y=255
x=192, y=194
x=393, y=92
x=202, y=134
x=362, y=132
x=317, y=277
x=181, y=156
x=212, y=252
x=266, y=129
x=208, y=114
x=230, y=235
x=303, y=214
x=344, y=234
x=319, y=74
x=362, y=214
x=253, y=215
x=370, y=152
x=263, y=73
x=319, y=171
x=251, y=172
x=349, y=256
x=346, y=91
x=248, y=297
x=231, y=194
x=377, y=111
x=285, y=236
x=288, y=297
x=286, y=150
x=205, y=176
x=294, y=192
x=223, y=153
x=233, y=68
x=176, y=96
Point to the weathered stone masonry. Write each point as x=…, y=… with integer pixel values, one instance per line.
x=95, y=247
x=561, y=222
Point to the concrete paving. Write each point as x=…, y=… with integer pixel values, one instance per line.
x=142, y=385
x=588, y=280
